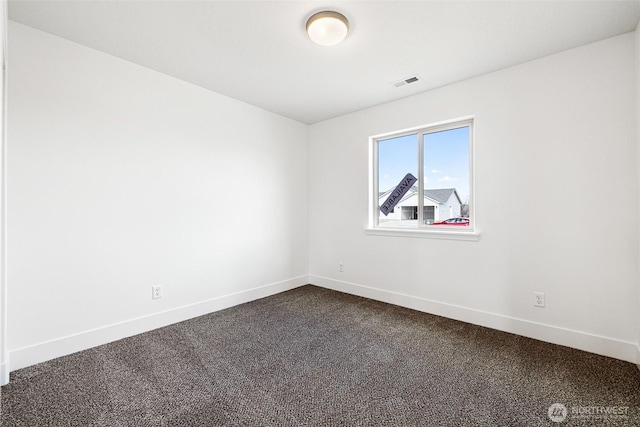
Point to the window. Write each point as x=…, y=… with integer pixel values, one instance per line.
x=422, y=180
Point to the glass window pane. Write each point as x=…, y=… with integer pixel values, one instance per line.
x=446, y=174
x=396, y=158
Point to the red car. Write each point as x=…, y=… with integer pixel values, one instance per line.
x=454, y=222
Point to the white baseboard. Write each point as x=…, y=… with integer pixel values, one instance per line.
x=44, y=351
x=4, y=370
x=41, y=352
x=618, y=349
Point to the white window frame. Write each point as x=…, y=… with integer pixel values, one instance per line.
x=422, y=230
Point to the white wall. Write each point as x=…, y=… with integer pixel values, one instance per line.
x=120, y=178
x=560, y=126
x=4, y=355
x=637, y=52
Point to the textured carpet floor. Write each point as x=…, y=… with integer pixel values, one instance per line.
x=315, y=357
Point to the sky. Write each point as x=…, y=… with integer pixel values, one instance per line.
x=446, y=160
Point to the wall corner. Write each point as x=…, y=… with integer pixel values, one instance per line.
x=4, y=356
x=637, y=113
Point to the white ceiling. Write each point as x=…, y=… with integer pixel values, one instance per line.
x=258, y=52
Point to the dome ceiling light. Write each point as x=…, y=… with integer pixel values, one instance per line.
x=327, y=28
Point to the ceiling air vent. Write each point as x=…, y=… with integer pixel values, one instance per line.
x=407, y=81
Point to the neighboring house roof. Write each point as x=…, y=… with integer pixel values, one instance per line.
x=440, y=195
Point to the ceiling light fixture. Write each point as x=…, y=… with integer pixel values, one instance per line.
x=327, y=28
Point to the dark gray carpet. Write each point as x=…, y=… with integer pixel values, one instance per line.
x=315, y=357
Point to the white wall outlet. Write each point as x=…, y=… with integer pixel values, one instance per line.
x=156, y=292
x=341, y=267
x=538, y=300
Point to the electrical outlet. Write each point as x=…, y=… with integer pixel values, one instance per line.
x=156, y=292
x=538, y=299
x=341, y=267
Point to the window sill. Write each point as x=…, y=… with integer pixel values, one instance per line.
x=471, y=236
